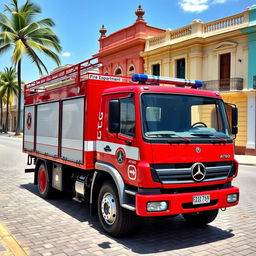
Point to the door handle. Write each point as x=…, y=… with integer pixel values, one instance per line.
x=107, y=149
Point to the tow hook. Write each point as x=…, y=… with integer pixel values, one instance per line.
x=223, y=209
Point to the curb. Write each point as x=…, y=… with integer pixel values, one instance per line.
x=248, y=164
x=10, y=242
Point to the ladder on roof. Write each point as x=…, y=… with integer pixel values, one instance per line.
x=74, y=72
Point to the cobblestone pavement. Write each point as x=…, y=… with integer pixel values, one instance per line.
x=62, y=227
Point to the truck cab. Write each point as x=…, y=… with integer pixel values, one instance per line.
x=173, y=148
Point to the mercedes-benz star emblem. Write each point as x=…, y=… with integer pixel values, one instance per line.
x=198, y=171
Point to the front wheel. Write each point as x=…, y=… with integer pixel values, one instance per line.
x=201, y=218
x=114, y=219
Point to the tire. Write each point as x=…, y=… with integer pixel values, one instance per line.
x=44, y=183
x=115, y=220
x=200, y=218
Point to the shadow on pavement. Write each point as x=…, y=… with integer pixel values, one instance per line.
x=151, y=236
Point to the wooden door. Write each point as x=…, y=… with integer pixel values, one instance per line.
x=225, y=71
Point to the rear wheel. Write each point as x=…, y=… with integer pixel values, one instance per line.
x=201, y=218
x=44, y=182
x=114, y=219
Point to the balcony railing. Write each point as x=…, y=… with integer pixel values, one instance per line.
x=199, y=29
x=231, y=84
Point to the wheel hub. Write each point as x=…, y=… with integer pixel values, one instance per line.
x=42, y=180
x=108, y=208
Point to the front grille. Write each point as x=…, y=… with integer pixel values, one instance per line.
x=181, y=172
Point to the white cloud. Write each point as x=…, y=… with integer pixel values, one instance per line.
x=194, y=5
x=66, y=54
x=219, y=1
x=198, y=5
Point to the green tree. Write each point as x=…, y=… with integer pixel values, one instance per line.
x=9, y=88
x=20, y=30
x=2, y=101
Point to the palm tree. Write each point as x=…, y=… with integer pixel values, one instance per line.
x=28, y=36
x=2, y=101
x=9, y=88
x=1, y=108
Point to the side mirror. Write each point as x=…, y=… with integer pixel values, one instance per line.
x=234, y=120
x=114, y=116
x=232, y=113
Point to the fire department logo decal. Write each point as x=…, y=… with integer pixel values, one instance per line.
x=29, y=121
x=120, y=155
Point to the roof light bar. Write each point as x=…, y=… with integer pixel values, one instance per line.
x=166, y=80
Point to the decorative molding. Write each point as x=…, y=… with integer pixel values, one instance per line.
x=225, y=45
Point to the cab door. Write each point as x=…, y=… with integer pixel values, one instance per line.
x=117, y=145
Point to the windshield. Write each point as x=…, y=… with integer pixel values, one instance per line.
x=184, y=118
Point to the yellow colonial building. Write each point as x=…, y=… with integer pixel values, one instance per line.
x=220, y=53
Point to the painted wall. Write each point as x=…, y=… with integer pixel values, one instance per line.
x=250, y=31
x=121, y=49
x=240, y=100
x=202, y=60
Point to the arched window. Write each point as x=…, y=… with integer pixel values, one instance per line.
x=131, y=70
x=118, y=72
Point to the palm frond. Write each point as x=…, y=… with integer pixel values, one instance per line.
x=29, y=10
x=6, y=24
x=29, y=28
x=55, y=57
x=14, y=5
x=5, y=48
x=35, y=59
x=7, y=8
x=18, y=21
x=46, y=22
x=7, y=37
x=30, y=7
x=19, y=51
x=49, y=43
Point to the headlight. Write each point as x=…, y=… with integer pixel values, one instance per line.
x=157, y=206
x=231, y=198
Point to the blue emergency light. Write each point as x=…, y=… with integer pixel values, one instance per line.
x=166, y=80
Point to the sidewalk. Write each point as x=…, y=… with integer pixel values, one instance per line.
x=11, y=134
x=246, y=159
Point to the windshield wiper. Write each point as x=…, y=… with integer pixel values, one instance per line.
x=166, y=135
x=174, y=134
x=209, y=135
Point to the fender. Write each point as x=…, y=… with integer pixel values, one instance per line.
x=113, y=172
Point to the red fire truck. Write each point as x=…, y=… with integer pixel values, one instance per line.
x=131, y=146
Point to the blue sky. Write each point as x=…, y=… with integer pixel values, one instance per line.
x=78, y=22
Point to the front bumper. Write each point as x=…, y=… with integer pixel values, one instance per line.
x=182, y=203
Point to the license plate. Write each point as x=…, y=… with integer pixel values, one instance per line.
x=203, y=199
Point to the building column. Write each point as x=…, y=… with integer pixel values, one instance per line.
x=251, y=123
x=166, y=67
x=195, y=61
